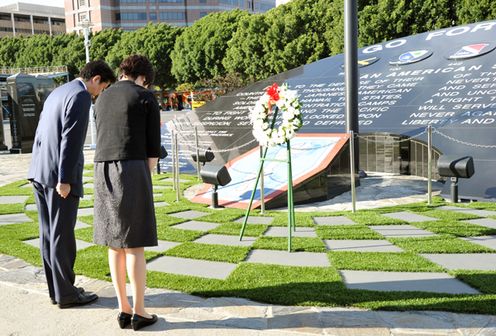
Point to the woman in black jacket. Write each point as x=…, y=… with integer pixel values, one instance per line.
x=127, y=149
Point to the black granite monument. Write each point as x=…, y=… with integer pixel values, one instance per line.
x=445, y=79
x=26, y=97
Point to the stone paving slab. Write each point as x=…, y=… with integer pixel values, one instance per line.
x=477, y=212
x=362, y=245
x=197, y=226
x=81, y=225
x=256, y=220
x=27, y=185
x=161, y=187
x=487, y=241
x=160, y=204
x=80, y=244
x=13, y=199
x=155, y=195
x=468, y=261
x=85, y=212
x=185, y=266
x=31, y=207
x=487, y=222
x=310, y=259
x=14, y=219
x=333, y=220
x=162, y=246
x=405, y=281
x=282, y=231
x=190, y=214
x=404, y=230
x=229, y=240
x=409, y=217
x=170, y=179
x=89, y=185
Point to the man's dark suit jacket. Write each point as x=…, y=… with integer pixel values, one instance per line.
x=58, y=144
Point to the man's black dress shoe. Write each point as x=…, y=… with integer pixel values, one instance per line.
x=79, y=289
x=139, y=322
x=124, y=319
x=81, y=300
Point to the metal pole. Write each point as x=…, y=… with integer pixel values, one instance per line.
x=173, y=148
x=352, y=171
x=351, y=70
x=178, y=188
x=197, y=154
x=262, y=193
x=429, y=165
x=86, y=32
x=291, y=219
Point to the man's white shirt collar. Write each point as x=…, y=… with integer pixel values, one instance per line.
x=84, y=84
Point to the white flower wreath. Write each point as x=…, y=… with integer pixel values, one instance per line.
x=288, y=104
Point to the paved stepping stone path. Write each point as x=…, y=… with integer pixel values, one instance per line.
x=410, y=225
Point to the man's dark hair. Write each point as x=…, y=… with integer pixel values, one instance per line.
x=137, y=65
x=95, y=68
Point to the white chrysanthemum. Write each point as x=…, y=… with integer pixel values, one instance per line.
x=288, y=106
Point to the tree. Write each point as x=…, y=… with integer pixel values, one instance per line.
x=199, y=51
x=10, y=48
x=281, y=39
x=102, y=42
x=154, y=41
x=69, y=50
x=36, y=51
x=475, y=11
x=246, y=53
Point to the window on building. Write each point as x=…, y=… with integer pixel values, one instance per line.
x=58, y=22
x=117, y=16
x=171, y=1
x=153, y=16
x=133, y=16
x=82, y=3
x=82, y=17
x=234, y=3
x=171, y=16
x=202, y=14
x=40, y=20
x=4, y=17
x=22, y=18
x=202, y=1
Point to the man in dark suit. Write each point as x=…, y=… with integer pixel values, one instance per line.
x=56, y=173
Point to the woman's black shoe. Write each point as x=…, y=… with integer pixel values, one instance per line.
x=139, y=322
x=124, y=319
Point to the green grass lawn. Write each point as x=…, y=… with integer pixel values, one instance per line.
x=287, y=285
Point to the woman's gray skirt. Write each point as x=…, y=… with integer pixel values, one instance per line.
x=124, y=211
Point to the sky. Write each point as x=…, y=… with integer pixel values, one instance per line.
x=58, y=3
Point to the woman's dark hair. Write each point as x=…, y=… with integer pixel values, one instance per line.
x=95, y=68
x=137, y=65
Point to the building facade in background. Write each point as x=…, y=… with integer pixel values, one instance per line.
x=133, y=14
x=18, y=18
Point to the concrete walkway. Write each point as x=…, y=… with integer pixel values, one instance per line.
x=26, y=309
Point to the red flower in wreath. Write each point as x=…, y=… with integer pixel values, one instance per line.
x=273, y=92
